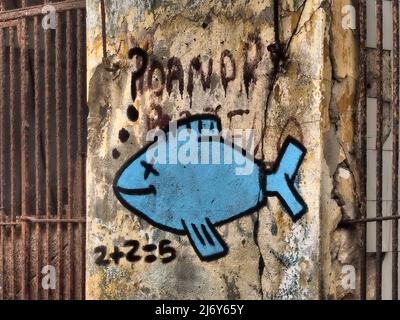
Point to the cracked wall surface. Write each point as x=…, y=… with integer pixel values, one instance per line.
x=294, y=74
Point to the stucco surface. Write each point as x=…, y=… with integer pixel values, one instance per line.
x=295, y=75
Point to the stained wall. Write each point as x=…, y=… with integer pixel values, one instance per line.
x=284, y=68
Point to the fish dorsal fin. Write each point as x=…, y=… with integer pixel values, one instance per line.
x=205, y=239
x=199, y=123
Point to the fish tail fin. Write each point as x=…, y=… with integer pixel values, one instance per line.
x=205, y=240
x=281, y=180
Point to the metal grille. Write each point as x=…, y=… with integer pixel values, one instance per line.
x=372, y=87
x=43, y=150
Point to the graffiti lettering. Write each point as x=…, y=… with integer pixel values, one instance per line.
x=140, y=71
x=166, y=253
x=156, y=117
x=175, y=73
x=239, y=112
x=156, y=66
x=250, y=67
x=138, y=74
x=225, y=79
x=101, y=259
x=205, y=81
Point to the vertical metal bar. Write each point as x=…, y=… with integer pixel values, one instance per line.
x=362, y=134
x=24, y=155
x=13, y=137
x=47, y=106
x=81, y=164
x=84, y=111
x=69, y=280
x=379, y=151
x=395, y=172
x=103, y=27
x=82, y=224
x=38, y=199
x=58, y=152
x=2, y=158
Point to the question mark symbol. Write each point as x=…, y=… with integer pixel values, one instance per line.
x=133, y=114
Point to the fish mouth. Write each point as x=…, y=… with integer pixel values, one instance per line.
x=137, y=192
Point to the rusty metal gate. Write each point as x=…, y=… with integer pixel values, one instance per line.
x=378, y=192
x=42, y=149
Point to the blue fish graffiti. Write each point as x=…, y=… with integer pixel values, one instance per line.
x=193, y=199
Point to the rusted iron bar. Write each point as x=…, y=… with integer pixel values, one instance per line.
x=356, y=221
x=8, y=24
x=59, y=179
x=37, y=10
x=9, y=224
x=24, y=155
x=83, y=153
x=80, y=176
x=47, y=111
x=70, y=173
x=103, y=28
x=42, y=219
x=51, y=220
x=2, y=157
x=13, y=152
x=38, y=171
x=395, y=167
x=379, y=151
x=362, y=147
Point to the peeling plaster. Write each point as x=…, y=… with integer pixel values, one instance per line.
x=302, y=79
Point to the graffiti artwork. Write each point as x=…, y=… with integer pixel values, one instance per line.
x=166, y=253
x=173, y=73
x=193, y=198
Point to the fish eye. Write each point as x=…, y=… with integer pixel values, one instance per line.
x=148, y=168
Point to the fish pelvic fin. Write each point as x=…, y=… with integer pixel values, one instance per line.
x=281, y=180
x=205, y=240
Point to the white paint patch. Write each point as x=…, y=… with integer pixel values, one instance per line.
x=344, y=173
x=301, y=246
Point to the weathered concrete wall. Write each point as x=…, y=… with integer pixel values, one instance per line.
x=294, y=75
x=339, y=245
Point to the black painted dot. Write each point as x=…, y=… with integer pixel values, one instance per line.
x=123, y=135
x=116, y=154
x=132, y=113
